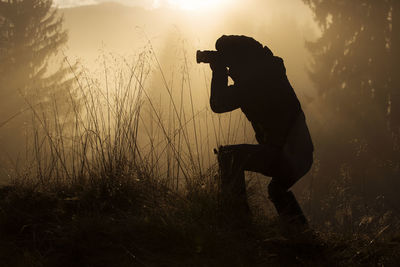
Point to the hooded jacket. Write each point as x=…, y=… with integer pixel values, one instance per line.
x=261, y=89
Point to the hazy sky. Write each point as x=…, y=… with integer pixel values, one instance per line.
x=71, y=3
x=184, y=4
x=283, y=25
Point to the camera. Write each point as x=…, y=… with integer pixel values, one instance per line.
x=207, y=56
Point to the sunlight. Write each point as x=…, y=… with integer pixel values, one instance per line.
x=196, y=4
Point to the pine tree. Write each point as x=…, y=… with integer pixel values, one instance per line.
x=355, y=64
x=31, y=35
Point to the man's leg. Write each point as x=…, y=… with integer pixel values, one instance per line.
x=287, y=169
x=289, y=210
x=235, y=159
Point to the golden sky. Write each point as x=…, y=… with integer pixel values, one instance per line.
x=173, y=25
x=180, y=4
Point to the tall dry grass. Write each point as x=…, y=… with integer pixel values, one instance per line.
x=132, y=120
x=121, y=178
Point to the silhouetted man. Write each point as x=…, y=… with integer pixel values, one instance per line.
x=263, y=93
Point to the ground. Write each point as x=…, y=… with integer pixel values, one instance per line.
x=119, y=225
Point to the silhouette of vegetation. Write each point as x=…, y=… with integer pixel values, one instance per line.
x=355, y=71
x=100, y=196
x=143, y=223
x=121, y=187
x=31, y=35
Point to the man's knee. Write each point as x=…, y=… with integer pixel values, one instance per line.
x=276, y=191
x=230, y=155
x=295, y=165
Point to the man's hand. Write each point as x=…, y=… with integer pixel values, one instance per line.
x=218, y=67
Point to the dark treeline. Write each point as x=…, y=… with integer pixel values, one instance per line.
x=356, y=74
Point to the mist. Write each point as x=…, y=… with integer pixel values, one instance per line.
x=107, y=97
x=176, y=34
x=109, y=34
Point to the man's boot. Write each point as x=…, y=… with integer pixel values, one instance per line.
x=289, y=211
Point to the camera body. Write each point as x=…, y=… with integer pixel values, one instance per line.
x=207, y=56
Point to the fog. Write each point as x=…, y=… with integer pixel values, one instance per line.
x=175, y=34
x=125, y=30
x=339, y=63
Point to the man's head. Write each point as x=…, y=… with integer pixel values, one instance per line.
x=237, y=49
x=240, y=53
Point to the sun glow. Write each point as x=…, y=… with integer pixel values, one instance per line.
x=196, y=4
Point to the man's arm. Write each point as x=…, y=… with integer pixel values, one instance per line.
x=223, y=98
